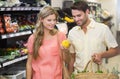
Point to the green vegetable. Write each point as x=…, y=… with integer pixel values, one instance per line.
x=99, y=71
x=73, y=76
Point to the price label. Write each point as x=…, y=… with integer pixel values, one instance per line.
x=8, y=9
x=4, y=36
x=2, y=9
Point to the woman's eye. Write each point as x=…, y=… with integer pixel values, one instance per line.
x=49, y=19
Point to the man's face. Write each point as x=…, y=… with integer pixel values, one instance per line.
x=80, y=17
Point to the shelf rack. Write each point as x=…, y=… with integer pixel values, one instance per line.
x=20, y=8
x=10, y=35
x=6, y=63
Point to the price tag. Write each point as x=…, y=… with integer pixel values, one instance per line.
x=25, y=8
x=14, y=8
x=8, y=9
x=23, y=33
x=17, y=34
x=2, y=9
x=22, y=8
x=4, y=36
x=29, y=8
x=18, y=8
x=34, y=8
x=11, y=35
x=28, y=32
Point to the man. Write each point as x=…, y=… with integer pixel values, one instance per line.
x=89, y=39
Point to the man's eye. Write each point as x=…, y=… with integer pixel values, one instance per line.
x=74, y=16
x=78, y=15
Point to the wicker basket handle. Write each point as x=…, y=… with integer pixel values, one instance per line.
x=90, y=62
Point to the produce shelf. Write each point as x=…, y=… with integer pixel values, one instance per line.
x=10, y=35
x=20, y=8
x=13, y=61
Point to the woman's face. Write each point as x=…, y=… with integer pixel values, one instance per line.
x=49, y=22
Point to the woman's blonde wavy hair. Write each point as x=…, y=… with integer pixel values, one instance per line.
x=39, y=33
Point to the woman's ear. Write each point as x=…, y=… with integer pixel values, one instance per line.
x=40, y=19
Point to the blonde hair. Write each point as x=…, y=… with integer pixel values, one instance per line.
x=39, y=33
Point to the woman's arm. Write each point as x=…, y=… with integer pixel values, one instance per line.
x=29, y=67
x=71, y=63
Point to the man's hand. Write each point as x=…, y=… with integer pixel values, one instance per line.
x=97, y=58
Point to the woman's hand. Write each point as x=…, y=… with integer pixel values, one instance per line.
x=65, y=51
x=65, y=45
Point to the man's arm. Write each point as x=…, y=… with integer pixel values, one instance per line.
x=110, y=53
x=97, y=57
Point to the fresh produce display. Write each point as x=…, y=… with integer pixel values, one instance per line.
x=11, y=53
x=1, y=30
x=68, y=19
x=11, y=24
x=26, y=27
x=65, y=16
x=16, y=23
x=23, y=51
x=7, y=19
x=1, y=26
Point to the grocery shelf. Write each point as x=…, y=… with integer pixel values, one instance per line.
x=10, y=35
x=20, y=8
x=13, y=61
x=18, y=75
x=33, y=30
x=9, y=40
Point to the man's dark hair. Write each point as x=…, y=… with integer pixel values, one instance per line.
x=80, y=5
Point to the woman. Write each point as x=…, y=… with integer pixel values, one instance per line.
x=44, y=57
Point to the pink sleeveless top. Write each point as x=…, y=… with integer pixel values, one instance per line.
x=48, y=65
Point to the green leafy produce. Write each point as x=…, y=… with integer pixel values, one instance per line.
x=99, y=71
x=73, y=76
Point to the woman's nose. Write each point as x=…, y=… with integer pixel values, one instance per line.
x=53, y=22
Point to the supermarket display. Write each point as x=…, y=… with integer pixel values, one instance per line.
x=64, y=16
x=17, y=23
x=18, y=3
x=106, y=18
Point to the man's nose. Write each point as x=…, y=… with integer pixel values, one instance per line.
x=76, y=18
